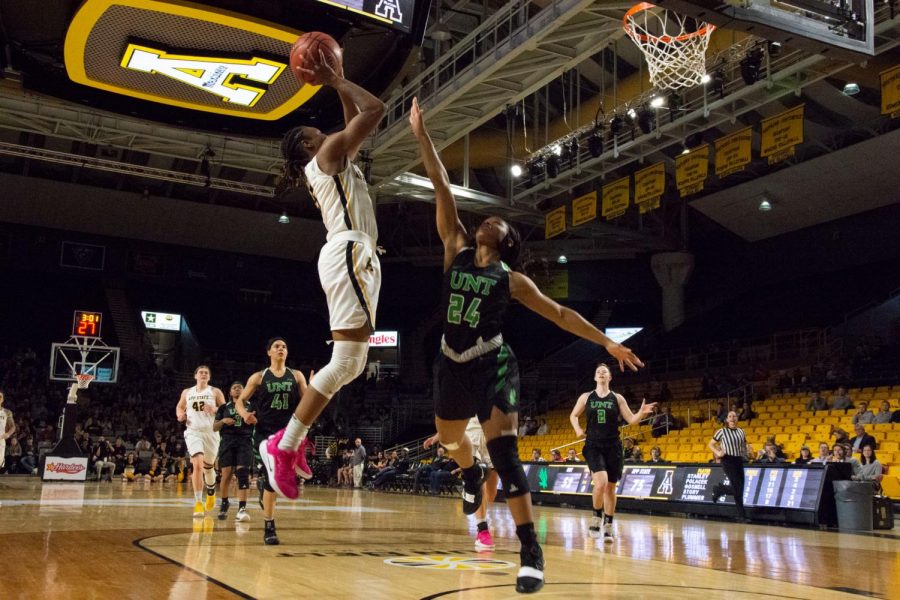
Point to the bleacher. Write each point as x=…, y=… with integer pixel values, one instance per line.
x=782, y=415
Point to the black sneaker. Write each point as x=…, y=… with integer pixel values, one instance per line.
x=269, y=535
x=531, y=575
x=471, y=493
x=223, y=510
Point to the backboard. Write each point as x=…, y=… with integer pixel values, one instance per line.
x=84, y=355
x=841, y=28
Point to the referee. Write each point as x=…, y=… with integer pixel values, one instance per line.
x=730, y=445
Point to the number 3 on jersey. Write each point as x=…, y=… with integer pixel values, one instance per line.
x=455, y=311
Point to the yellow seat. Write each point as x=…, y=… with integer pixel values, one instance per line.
x=890, y=487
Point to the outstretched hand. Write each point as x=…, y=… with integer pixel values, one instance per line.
x=625, y=356
x=416, y=119
x=431, y=441
x=646, y=409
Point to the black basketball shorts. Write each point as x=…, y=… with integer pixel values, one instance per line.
x=464, y=390
x=236, y=451
x=607, y=456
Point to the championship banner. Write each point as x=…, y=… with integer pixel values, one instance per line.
x=781, y=134
x=890, y=92
x=691, y=170
x=649, y=185
x=733, y=152
x=616, y=197
x=584, y=209
x=555, y=222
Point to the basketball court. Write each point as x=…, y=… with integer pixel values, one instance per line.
x=135, y=541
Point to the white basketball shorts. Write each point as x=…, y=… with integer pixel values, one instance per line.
x=205, y=442
x=350, y=274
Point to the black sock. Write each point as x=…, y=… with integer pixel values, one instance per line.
x=526, y=535
x=598, y=512
x=607, y=519
x=225, y=502
x=242, y=504
x=482, y=526
x=211, y=491
x=270, y=523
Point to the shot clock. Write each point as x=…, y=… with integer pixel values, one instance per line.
x=86, y=323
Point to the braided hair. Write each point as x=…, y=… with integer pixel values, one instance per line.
x=296, y=157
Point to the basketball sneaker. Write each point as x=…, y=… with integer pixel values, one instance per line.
x=199, y=510
x=210, y=499
x=472, y=491
x=280, y=466
x=300, y=465
x=531, y=575
x=223, y=509
x=269, y=535
x=596, y=529
x=484, y=542
x=609, y=535
x=242, y=515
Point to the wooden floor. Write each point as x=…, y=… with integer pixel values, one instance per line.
x=112, y=540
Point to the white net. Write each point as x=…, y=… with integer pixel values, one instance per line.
x=83, y=380
x=674, y=45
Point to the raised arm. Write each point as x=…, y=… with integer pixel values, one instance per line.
x=450, y=228
x=632, y=418
x=246, y=394
x=525, y=291
x=368, y=113
x=301, y=380
x=577, y=411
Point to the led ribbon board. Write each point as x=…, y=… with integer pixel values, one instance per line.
x=186, y=55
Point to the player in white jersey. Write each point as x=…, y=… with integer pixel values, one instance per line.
x=7, y=428
x=197, y=408
x=483, y=540
x=349, y=270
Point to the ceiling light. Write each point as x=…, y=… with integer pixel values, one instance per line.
x=283, y=219
x=562, y=259
x=774, y=48
x=705, y=78
x=632, y=114
x=685, y=150
x=440, y=33
x=851, y=88
x=765, y=206
x=516, y=170
x=657, y=101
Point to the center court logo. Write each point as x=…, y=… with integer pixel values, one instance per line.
x=449, y=563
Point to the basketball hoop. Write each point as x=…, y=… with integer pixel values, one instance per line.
x=676, y=57
x=83, y=380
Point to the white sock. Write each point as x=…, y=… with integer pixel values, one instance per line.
x=294, y=433
x=198, y=496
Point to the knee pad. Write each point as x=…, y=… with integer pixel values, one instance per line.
x=504, y=453
x=243, y=477
x=209, y=476
x=348, y=361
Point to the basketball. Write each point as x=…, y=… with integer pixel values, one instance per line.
x=305, y=53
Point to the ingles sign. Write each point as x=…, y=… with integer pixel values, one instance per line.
x=181, y=54
x=384, y=339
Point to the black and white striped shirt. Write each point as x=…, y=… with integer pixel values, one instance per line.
x=733, y=441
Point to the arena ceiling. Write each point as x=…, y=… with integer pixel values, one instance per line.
x=571, y=61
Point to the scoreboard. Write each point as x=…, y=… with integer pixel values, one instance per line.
x=772, y=489
x=407, y=16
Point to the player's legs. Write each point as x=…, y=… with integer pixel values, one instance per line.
x=224, y=487
x=483, y=539
x=197, y=483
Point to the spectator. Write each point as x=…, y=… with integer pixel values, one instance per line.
x=805, y=457
x=443, y=475
x=721, y=412
x=522, y=427
x=358, y=462
x=155, y=472
x=388, y=474
x=824, y=454
x=543, y=429
x=861, y=438
x=178, y=471
x=663, y=423
x=143, y=445
x=28, y=462
x=895, y=418
x=884, y=413
x=424, y=472
x=817, y=402
x=839, y=455
x=572, y=456
x=747, y=413
x=840, y=436
x=536, y=456
x=863, y=415
x=531, y=426
x=840, y=400
x=779, y=449
x=770, y=454
x=102, y=456
x=632, y=452
x=868, y=468
x=656, y=456
x=345, y=472
x=13, y=455
x=119, y=453
x=555, y=456
x=129, y=468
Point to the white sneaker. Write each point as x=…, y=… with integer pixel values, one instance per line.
x=242, y=515
x=609, y=535
x=595, y=531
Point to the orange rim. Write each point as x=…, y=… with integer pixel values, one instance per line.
x=665, y=39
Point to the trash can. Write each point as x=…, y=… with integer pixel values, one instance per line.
x=854, y=505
